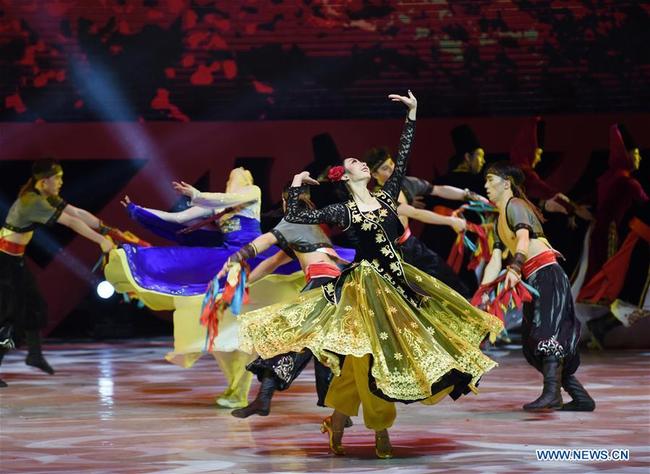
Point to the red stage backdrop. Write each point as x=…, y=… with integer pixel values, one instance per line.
x=191, y=86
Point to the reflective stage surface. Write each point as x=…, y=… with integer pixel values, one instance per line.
x=121, y=408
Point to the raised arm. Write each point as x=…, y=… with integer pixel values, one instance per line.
x=334, y=214
x=394, y=183
x=248, y=194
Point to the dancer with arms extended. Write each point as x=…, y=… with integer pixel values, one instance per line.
x=389, y=331
x=22, y=306
x=320, y=261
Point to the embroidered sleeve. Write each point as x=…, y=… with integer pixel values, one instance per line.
x=394, y=183
x=334, y=214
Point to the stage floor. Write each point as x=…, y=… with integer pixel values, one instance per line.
x=121, y=408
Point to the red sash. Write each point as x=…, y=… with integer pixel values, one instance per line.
x=11, y=247
x=405, y=236
x=538, y=261
x=321, y=270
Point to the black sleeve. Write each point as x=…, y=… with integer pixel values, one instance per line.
x=334, y=214
x=393, y=185
x=421, y=187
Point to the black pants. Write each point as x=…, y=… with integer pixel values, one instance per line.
x=284, y=368
x=21, y=303
x=549, y=326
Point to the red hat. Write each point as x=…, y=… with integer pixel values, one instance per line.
x=618, y=150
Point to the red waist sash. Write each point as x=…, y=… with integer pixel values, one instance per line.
x=404, y=237
x=538, y=261
x=12, y=247
x=321, y=270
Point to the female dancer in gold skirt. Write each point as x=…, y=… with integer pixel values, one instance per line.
x=389, y=331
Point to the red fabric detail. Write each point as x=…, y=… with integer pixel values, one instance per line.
x=405, y=236
x=12, y=247
x=503, y=299
x=321, y=269
x=482, y=253
x=607, y=284
x=536, y=187
x=443, y=210
x=126, y=237
x=213, y=311
x=522, y=154
x=618, y=156
x=457, y=253
x=617, y=192
x=535, y=263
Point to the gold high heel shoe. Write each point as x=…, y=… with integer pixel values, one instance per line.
x=385, y=452
x=335, y=447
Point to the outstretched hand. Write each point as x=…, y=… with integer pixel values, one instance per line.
x=303, y=178
x=185, y=189
x=125, y=201
x=410, y=101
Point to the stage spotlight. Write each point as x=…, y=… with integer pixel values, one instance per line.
x=105, y=290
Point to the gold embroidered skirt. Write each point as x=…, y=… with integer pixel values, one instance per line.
x=418, y=354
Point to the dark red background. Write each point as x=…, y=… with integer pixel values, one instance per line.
x=190, y=86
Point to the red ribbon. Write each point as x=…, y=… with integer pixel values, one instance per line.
x=214, y=309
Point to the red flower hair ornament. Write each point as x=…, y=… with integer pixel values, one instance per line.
x=336, y=173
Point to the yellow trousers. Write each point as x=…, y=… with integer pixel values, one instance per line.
x=233, y=365
x=350, y=390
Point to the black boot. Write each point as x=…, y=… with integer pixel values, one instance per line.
x=34, y=355
x=551, y=398
x=581, y=399
x=262, y=404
